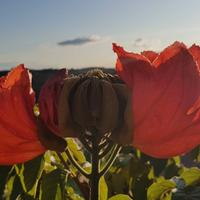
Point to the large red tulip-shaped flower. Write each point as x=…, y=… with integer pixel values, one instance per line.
x=18, y=130
x=165, y=90
x=22, y=135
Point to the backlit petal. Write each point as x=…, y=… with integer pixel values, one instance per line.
x=130, y=63
x=48, y=100
x=161, y=99
x=151, y=55
x=195, y=51
x=18, y=131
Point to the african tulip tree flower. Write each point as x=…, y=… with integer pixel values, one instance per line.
x=22, y=135
x=18, y=130
x=63, y=112
x=164, y=88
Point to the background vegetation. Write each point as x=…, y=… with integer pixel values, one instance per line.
x=132, y=176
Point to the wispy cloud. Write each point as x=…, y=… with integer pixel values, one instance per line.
x=80, y=41
x=141, y=44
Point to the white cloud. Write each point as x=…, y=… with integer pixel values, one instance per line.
x=141, y=44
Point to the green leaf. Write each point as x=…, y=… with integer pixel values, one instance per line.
x=9, y=186
x=16, y=188
x=73, y=189
x=30, y=173
x=49, y=165
x=25, y=196
x=160, y=190
x=76, y=150
x=120, y=197
x=172, y=169
x=4, y=171
x=72, y=195
x=51, y=185
x=117, y=182
x=140, y=185
x=191, y=176
x=103, y=189
x=166, y=196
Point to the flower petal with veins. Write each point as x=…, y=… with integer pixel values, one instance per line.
x=162, y=92
x=18, y=130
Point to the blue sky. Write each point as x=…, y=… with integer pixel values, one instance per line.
x=79, y=33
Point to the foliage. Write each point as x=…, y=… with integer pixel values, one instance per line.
x=133, y=176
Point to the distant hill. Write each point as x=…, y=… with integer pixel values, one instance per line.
x=40, y=76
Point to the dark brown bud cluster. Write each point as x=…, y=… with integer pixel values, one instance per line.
x=95, y=101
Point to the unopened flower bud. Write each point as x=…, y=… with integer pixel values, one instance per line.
x=95, y=105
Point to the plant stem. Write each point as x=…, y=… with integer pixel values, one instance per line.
x=94, y=181
x=97, y=150
x=85, y=142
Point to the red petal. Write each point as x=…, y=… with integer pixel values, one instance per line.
x=18, y=131
x=151, y=55
x=169, y=53
x=130, y=63
x=160, y=102
x=48, y=100
x=195, y=51
x=195, y=107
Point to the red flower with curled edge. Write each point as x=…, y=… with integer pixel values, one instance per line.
x=164, y=86
x=22, y=135
x=18, y=130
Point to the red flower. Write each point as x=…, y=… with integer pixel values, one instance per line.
x=23, y=136
x=49, y=99
x=18, y=130
x=163, y=88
